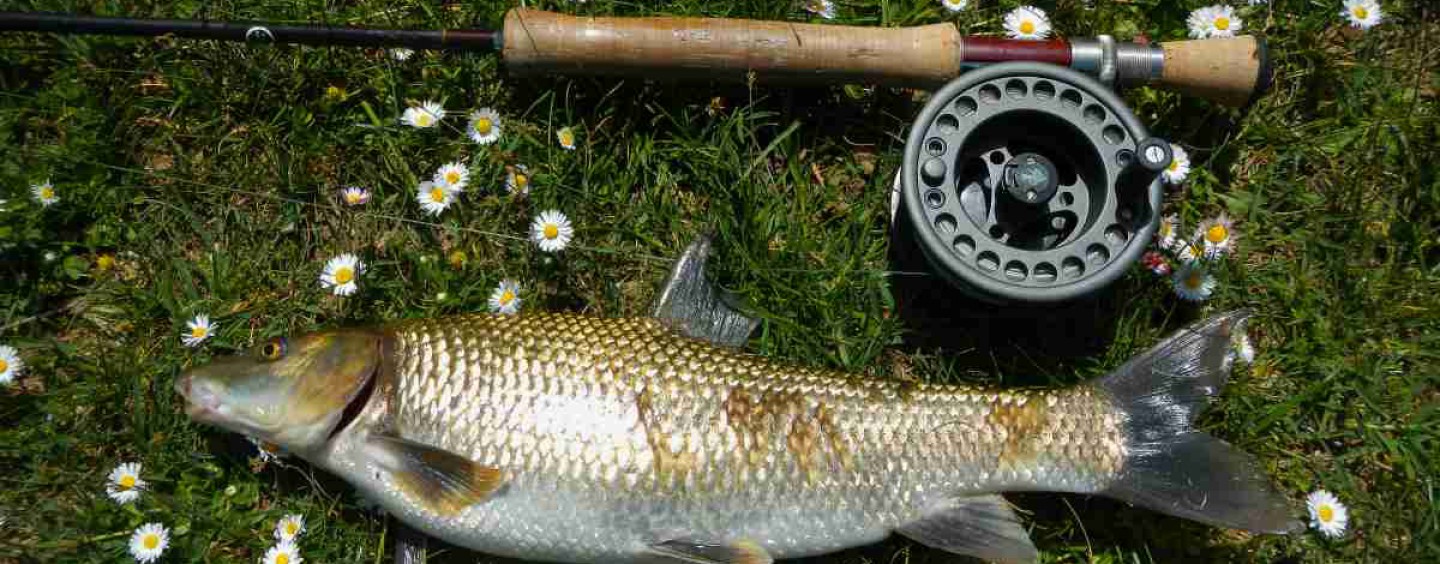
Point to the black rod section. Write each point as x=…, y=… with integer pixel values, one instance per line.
x=253, y=32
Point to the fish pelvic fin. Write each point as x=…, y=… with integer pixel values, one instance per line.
x=1170, y=466
x=982, y=526
x=440, y=481
x=695, y=551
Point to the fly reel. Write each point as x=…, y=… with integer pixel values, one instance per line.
x=1028, y=182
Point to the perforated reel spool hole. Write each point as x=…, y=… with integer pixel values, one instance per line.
x=1030, y=182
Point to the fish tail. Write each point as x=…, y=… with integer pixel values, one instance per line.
x=1172, y=467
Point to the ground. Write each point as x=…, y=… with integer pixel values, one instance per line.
x=201, y=177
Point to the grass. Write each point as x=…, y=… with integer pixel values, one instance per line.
x=209, y=172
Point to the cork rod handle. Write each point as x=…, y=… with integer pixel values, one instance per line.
x=1231, y=71
x=538, y=41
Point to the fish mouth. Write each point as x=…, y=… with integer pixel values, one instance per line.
x=198, y=408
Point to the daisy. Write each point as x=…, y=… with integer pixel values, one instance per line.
x=427, y=114
x=517, y=181
x=267, y=451
x=124, y=483
x=1216, y=236
x=355, y=195
x=432, y=198
x=342, y=273
x=199, y=330
x=105, y=262
x=1156, y=263
x=289, y=527
x=1213, y=21
x=1363, y=14
x=1193, y=283
x=551, y=231
x=401, y=53
x=566, y=137
x=44, y=193
x=822, y=8
x=506, y=297
x=1179, y=166
x=10, y=364
x=484, y=127
x=148, y=542
x=955, y=5
x=283, y=553
x=1185, y=251
x=452, y=176
x=1327, y=514
x=1027, y=22
x=1165, y=234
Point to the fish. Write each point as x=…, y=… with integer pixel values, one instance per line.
x=568, y=438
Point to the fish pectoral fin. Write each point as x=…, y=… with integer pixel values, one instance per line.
x=691, y=304
x=981, y=526
x=438, y=480
x=701, y=552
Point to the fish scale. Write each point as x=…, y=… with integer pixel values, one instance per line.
x=646, y=432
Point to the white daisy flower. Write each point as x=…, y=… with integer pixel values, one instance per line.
x=955, y=5
x=1185, y=251
x=427, y=114
x=1327, y=514
x=354, y=196
x=433, y=198
x=1027, y=22
x=1193, y=282
x=1165, y=234
x=551, y=231
x=10, y=364
x=452, y=176
x=1213, y=21
x=267, y=451
x=822, y=8
x=517, y=181
x=401, y=53
x=44, y=193
x=1216, y=236
x=1179, y=166
x=506, y=297
x=342, y=274
x=198, y=330
x=566, y=137
x=484, y=126
x=1363, y=14
x=283, y=553
x=1243, y=349
x=289, y=527
x=124, y=483
x=148, y=542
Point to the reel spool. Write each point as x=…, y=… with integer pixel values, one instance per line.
x=1028, y=182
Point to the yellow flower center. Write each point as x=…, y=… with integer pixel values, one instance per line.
x=344, y=275
x=127, y=482
x=566, y=137
x=352, y=197
x=291, y=528
x=1166, y=229
x=1360, y=13
x=506, y=297
x=198, y=332
x=521, y=180
x=4, y=366
x=551, y=231
x=282, y=558
x=1222, y=23
x=105, y=262
x=483, y=126
x=437, y=195
x=424, y=119
x=1174, y=165
x=1027, y=27
x=46, y=192
x=151, y=541
x=453, y=177
x=1327, y=513
x=1217, y=234
x=1194, y=280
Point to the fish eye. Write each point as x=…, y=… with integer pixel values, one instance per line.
x=273, y=350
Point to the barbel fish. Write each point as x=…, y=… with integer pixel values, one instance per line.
x=567, y=438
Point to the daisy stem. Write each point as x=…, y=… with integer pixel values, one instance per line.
x=81, y=542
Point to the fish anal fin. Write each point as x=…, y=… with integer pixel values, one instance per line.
x=441, y=481
x=981, y=526
x=694, y=551
x=691, y=304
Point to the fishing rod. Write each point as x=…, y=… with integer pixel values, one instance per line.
x=1229, y=71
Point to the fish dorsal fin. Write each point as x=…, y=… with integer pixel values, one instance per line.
x=690, y=304
x=981, y=526
x=438, y=480
x=700, y=552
